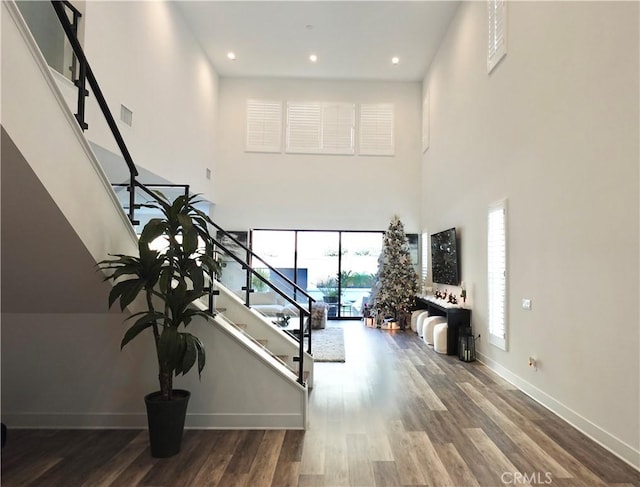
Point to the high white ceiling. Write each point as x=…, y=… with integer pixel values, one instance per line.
x=352, y=39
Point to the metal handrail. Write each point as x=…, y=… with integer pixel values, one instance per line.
x=86, y=74
x=71, y=7
x=271, y=268
x=296, y=287
x=251, y=271
x=93, y=83
x=302, y=311
x=145, y=188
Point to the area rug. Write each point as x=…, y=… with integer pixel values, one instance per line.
x=328, y=345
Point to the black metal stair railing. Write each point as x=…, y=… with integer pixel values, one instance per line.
x=304, y=314
x=131, y=210
x=85, y=75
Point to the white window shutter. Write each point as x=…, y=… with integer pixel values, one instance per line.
x=264, y=126
x=377, y=129
x=424, y=244
x=497, y=45
x=304, y=127
x=497, y=273
x=320, y=128
x=425, y=122
x=338, y=121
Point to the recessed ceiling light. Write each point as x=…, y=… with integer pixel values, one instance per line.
x=395, y=60
x=313, y=58
x=231, y=56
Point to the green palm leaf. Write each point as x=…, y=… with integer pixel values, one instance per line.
x=152, y=230
x=144, y=322
x=126, y=292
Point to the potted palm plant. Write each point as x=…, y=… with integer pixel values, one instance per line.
x=169, y=280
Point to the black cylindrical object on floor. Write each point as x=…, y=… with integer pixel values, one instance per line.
x=466, y=345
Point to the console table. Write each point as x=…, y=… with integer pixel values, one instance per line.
x=456, y=317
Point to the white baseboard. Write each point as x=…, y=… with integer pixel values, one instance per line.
x=245, y=421
x=47, y=420
x=139, y=421
x=616, y=446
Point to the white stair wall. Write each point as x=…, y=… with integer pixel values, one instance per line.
x=36, y=117
x=65, y=369
x=261, y=328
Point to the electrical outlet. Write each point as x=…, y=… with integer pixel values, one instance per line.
x=208, y=173
x=526, y=304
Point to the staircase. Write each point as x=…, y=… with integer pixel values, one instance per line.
x=61, y=362
x=257, y=328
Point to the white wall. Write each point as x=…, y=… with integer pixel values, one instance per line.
x=554, y=128
x=144, y=57
x=95, y=384
x=302, y=191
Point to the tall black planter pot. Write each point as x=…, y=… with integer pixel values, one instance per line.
x=166, y=422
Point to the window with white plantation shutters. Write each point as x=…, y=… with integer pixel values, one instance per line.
x=320, y=128
x=264, y=126
x=425, y=123
x=424, y=271
x=376, y=129
x=338, y=128
x=304, y=127
x=497, y=273
x=497, y=46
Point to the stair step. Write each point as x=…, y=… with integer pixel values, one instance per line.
x=283, y=359
x=305, y=373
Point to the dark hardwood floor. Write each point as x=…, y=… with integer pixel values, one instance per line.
x=395, y=414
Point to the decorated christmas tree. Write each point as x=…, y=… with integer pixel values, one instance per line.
x=396, y=282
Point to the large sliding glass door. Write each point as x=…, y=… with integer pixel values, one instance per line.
x=336, y=267
x=358, y=266
x=318, y=254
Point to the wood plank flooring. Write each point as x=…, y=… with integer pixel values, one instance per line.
x=395, y=414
